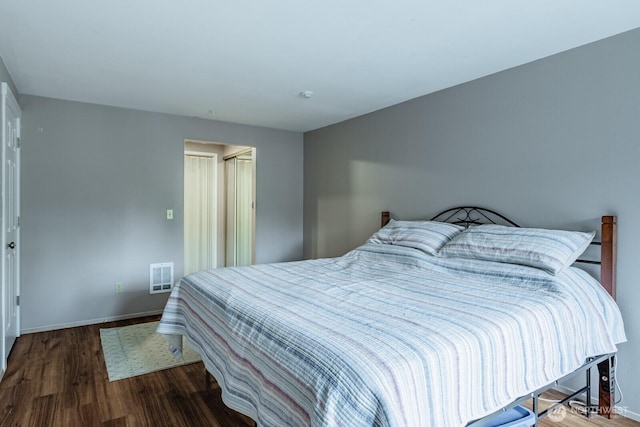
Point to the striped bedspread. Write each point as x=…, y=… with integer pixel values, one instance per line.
x=388, y=336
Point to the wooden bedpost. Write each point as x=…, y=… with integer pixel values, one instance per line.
x=607, y=388
x=609, y=254
x=606, y=369
x=384, y=218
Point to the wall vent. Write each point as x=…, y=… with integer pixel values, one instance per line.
x=160, y=277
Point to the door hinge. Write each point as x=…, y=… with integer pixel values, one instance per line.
x=18, y=142
x=18, y=300
x=19, y=221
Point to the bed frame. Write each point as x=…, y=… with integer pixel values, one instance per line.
x=473, y=215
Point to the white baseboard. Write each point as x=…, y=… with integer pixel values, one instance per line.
x=620, y=409
x=631, y=415
x=89, y=322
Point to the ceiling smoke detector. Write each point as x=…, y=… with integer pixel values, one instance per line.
x=306, y=94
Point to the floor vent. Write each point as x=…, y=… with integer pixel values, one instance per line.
x=160, y=277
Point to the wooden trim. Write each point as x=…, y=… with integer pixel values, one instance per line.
x=385, y=218
x=608, y=263
x=608, y=256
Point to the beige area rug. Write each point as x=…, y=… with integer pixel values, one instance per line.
x=137, y=349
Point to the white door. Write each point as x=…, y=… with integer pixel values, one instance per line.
x=241, y=184
x=10, y=222
x=200, y=206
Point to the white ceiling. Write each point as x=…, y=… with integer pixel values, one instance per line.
x=248, y=61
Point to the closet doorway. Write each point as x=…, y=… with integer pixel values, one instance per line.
x=219, y=205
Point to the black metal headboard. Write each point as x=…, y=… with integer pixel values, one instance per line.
x=472, y=215
x=467, y=216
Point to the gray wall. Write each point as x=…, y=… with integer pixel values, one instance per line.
x=96, y=184
x=553, y=143
x=6, y=77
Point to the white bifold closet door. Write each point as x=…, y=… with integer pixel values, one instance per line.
x=239, y=171
x=244, y=206
x=199, y=212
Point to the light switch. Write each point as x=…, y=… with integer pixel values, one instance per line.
x=169, y=213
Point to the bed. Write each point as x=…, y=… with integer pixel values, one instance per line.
x=404, y=330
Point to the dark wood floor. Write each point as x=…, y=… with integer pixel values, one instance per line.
x=59, y=378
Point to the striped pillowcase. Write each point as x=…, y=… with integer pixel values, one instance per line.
x=548, y=250
x=427, y=236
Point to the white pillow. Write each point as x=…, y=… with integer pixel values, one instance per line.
x=427, y=236
x=548, y=250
